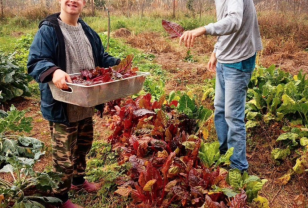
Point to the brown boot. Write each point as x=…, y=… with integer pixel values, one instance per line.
x=87, y=186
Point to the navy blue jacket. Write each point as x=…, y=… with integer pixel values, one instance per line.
x=47, y=53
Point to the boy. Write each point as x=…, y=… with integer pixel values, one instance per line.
x=63, y=45
x=237, y=44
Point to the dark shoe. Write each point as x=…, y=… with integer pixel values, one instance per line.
x=69, y=204
x=87, y=186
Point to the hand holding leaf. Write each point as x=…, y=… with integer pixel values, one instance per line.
x=175, y=30
x=189, y=37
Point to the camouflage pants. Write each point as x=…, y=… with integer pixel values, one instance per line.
x=70, y=145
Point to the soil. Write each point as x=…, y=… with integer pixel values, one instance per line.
x=194, y=71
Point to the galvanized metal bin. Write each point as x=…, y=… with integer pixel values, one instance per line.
x=89, y=96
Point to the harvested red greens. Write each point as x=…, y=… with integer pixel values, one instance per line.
x=103, y=75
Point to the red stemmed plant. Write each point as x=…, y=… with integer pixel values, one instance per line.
x=165, y=167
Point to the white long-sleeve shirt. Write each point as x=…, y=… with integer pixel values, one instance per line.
x=238, y=30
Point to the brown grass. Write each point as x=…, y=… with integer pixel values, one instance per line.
x=150, y=42
x=285, y=40
x=284, y=28
x=36, y=13
x=122, y=32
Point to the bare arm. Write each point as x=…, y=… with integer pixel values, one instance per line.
x=212, y=63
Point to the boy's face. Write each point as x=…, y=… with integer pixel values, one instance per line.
x=72, y=7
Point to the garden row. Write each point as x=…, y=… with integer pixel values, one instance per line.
x=277, y=97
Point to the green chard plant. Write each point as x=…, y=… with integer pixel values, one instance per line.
x=189, y=111
x=276, y=95
x=250, y=183
x=210, y=155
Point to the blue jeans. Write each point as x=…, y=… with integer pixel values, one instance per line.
x=230, y=99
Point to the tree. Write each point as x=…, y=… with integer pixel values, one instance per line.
x=2, y=12
x=141, y=5
x=174, y=8
x=100, y=4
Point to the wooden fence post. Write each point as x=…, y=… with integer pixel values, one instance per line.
x=109, y=28
x=93, y=7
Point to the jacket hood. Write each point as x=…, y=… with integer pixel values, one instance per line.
x=53, y=20
x=50, y=20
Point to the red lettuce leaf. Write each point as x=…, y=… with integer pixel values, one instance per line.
x=138, y=196
x=175, y=30
x=212, y=204
x=137, y=163
x=145, y=102
x=125, y=65
x=239, y=201
x=142, y=180
x=167, y=165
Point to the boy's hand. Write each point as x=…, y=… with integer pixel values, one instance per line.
x=189, y=37
x=212, y=63
x=59, y=78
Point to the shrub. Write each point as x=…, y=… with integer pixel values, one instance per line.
x=22, y=50
x=120, y=24
x=13, y=81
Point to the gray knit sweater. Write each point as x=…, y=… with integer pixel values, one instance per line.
x=79, y=56
x=238, y=30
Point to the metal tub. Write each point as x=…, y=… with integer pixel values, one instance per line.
x=89, y=96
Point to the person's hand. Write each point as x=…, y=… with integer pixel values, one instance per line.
x=212, y=63
x=189, y=37
x=59, y=78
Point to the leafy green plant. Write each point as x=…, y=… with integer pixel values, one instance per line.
x=14, y=120
x=27, y=179
x=22, y=51
x=189, y=57
x=120, y=24
x=155, y=87
x=12, y=145
x=251, y=184
x=290, y=137
x=209, y=89
x=301, y=165
x=13, y=80
x=209, y=155
x=188, y=107
x=274, y=95
x=280, y=154
x=18, y=155
x=293, y=139
x=103, y=164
